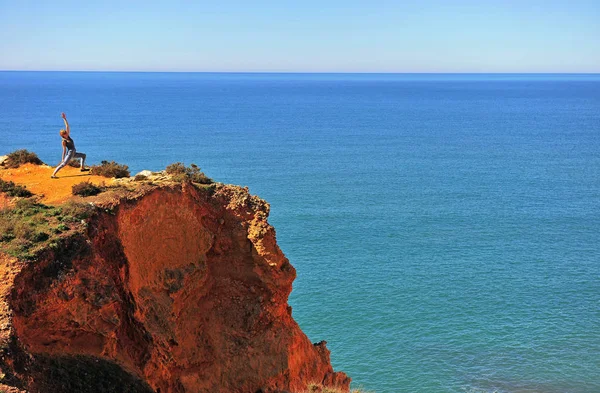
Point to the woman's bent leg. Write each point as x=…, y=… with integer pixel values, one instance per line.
x=82, y=157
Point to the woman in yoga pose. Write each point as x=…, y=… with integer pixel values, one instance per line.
x=69, y=151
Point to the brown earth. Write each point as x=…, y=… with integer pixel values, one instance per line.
x=180, y=288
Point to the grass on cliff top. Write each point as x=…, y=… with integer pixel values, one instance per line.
x=30, y=226
x=19, y=157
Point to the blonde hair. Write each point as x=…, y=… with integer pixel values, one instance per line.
x=63, y=132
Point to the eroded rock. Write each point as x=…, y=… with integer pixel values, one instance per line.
x=181, y=289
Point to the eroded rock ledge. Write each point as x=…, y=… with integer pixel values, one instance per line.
x=173, y=288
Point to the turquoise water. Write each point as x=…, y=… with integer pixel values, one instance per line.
x=445, y=228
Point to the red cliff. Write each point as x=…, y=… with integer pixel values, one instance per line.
x=170, y=288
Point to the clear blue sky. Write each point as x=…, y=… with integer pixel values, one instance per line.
x=301, y=35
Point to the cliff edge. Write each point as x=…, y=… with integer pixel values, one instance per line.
x=160, y=286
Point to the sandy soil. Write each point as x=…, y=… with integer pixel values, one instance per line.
x=52, y=191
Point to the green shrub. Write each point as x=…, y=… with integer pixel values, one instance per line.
x=16, y=158
x=85, y=188
x=110, y=169
x=198, y=176
x=180, y=172
x=140, y=178
x=176, y=169
x=13, y=190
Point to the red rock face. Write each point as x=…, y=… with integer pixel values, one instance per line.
x=184, y=290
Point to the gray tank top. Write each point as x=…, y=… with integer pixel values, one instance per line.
x=69, y=144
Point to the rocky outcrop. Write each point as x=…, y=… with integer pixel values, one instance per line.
x=176, y=289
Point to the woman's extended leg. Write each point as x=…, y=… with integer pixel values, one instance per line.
x=65, y=161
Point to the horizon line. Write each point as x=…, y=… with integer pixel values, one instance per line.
x=322, y=72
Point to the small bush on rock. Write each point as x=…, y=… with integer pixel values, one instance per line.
x=110, y=169
x=13, y=190
x=85, y=189
x=19, y=157
x=180, y=172
x=176, y=169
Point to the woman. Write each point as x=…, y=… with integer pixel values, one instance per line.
x=69, y=151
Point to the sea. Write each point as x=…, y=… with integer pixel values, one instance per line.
x=445, y=228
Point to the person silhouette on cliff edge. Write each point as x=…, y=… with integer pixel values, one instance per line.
x=69, y=151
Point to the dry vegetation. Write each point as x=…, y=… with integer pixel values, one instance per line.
x=13, y=190
x=110, y=169
x=85, y=189
x=179, y=172
x=19, y=157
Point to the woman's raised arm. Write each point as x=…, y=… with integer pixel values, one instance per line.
x=67, y=128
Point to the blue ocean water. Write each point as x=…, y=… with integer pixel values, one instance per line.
x=445, y=228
